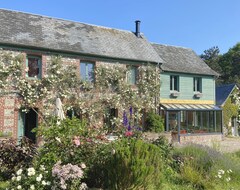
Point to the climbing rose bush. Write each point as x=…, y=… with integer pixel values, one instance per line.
x=31, y=178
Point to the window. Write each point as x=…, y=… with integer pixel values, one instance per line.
x=174, y=83
x=87, y=71
x=197, y=84
x=132, y=75
x=33, y=64
x=110, y=113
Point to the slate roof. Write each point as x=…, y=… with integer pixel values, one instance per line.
x=17, y=28
x=183, y=60
x=223, y=92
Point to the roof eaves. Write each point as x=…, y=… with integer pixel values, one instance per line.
x=12, y=45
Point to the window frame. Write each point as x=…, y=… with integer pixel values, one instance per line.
x=39, y=75
x=197, y=84
x=86, y=63
x=174, y=83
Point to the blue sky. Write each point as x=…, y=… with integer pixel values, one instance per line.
x=189, y=23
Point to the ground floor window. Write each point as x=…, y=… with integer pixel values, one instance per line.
x=194, y=121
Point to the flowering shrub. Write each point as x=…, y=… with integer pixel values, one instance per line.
x=68, y=176
x=31, y=179
x=13, y=156
x=78, y=141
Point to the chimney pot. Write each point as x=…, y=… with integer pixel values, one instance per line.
x=137, y=32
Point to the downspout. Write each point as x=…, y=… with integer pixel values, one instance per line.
x=157, y=98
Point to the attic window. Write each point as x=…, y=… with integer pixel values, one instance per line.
x=33, y=66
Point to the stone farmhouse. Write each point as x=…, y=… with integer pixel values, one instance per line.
x=187, y=95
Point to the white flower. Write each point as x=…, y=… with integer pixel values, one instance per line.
x=83, y=186
x=38, y=179
x=19, y=172
x=13, y=178
x=32, y=187
x=229, y=171
x=219, y=176
x=220, y=172
x=57, y=138
x=48, y=183
x=31, y=171
x=44, y=183
x=19, y=187
x=83, y=166
x=19, y=178
x=42, y=168
x=228, y=179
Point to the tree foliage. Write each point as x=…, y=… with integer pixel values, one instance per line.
x=211, y=56
x=227, y=64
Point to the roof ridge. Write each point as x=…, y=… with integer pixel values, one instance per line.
x=167, y=45
x=62, y=19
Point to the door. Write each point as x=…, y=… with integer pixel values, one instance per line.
x=21, y=123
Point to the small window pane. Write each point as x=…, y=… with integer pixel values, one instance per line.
x=197, y=84
x=132, y=76
x=174, y=83
x=33, y=64
x=87, y=71
x=83, y=71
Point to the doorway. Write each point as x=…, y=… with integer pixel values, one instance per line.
x=26, y=123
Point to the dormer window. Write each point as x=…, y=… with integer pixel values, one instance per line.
x=33, y=66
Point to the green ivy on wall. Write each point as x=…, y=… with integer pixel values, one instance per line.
x=230, y=108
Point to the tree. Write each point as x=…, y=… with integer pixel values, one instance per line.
x=211, y=56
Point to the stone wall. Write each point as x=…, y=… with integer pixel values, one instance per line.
x=9, y=108
x=201, y=138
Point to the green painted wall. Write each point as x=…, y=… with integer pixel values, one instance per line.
x=186, y=86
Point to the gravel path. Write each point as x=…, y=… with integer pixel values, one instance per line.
x=229, y=144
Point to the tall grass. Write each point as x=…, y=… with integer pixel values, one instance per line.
x=203, y=167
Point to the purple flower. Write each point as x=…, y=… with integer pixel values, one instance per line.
x=131, y=111
x=129, y=127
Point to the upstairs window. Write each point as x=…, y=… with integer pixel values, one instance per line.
x=174, y=83
x=33, y=66
x=87, y=71
x=132, y=75
x=197, y=84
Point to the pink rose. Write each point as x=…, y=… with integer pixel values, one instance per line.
x=128, y=133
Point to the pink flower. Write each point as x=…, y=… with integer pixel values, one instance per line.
x=76, y=140
x=128, y=133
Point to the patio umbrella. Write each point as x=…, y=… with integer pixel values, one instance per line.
x=59, y=110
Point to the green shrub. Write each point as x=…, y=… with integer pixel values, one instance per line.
x=164, y=145
x=154, y=123
x=132, y=164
